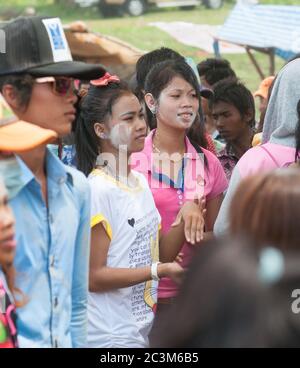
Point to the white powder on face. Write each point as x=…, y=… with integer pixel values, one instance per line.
x=167, y=112
x=120, y=135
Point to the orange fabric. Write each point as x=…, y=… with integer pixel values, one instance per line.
x=21, y=136
x=17, y=135
x=263, y=89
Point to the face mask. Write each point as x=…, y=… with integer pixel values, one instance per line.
x=10, y=172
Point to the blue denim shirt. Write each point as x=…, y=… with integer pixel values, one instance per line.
x=52, y=256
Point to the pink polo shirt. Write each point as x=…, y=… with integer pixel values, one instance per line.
x=264, y=158
x=199, y=180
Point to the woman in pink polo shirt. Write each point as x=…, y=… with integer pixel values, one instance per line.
x=177, y=169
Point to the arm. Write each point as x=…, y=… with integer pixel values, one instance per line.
x=221, y=226
x=103, y=278
x=212, y=210
x=188, y=226
x=171, y=243
x=80, y=275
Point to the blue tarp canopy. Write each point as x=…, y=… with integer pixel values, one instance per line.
x=272, y=28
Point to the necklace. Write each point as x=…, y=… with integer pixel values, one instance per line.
x=174, y=157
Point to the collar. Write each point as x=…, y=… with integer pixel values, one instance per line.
x=227, y=151
x=56, y=170
x=143, y=161
x=215, y=134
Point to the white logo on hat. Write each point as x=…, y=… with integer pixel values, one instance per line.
x=59, y=45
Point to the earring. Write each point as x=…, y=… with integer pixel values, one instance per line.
x=103, y=135
x=153, y=110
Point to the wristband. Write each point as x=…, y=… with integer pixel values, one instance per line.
x=154, y=274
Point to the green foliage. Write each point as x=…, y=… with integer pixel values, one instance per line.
x=65, y=9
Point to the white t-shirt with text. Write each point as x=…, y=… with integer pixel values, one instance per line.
x=123, y=317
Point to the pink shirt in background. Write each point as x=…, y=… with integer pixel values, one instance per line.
x=209, y=181
x=264, y=158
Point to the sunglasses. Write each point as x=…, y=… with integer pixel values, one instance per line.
x=61, y=86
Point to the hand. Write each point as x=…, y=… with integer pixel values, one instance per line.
x=179, y=258
x=175, y=272
x=192, y=214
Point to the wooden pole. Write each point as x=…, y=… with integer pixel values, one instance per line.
x=272, y=62
x=255, y=63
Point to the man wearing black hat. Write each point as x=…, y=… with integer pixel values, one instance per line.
x=52, y=207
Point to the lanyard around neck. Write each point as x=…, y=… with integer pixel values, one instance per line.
x=162, y=178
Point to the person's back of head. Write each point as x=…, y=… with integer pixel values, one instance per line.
x=147, y=61
x=235, y=296
x=219, y=304
x=284, y=303
x=213, y=70
x=266, y=207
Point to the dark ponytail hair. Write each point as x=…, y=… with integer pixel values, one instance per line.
x=19, y=297
x=94, y=105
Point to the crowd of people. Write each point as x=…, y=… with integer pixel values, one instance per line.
x=155, y=212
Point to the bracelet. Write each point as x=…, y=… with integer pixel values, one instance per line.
x=154, y=274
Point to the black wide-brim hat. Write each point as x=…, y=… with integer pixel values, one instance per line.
x=38, y=46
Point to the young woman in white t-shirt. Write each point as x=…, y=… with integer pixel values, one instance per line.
x=126, y=247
